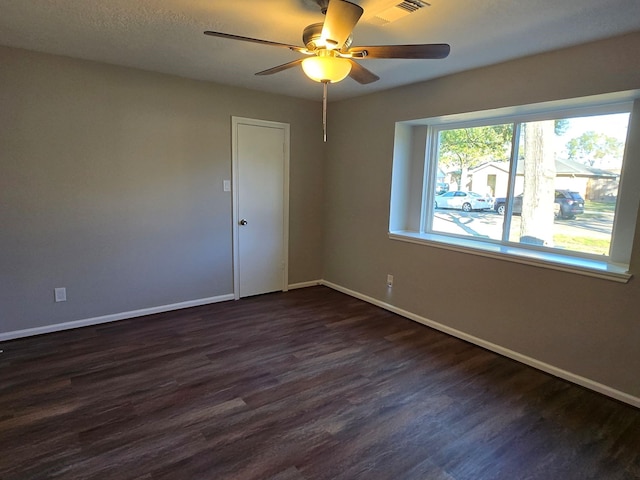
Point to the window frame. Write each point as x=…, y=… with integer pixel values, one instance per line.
x=613, y=267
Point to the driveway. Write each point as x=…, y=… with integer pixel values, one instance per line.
x=488, y=224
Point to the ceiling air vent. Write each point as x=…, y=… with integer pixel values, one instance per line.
x=396, y=12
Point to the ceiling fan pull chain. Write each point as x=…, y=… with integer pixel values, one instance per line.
x=324, y=110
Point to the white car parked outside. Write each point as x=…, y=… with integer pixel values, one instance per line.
x=465, y=201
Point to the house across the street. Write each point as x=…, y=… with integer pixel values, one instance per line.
x=592, y=183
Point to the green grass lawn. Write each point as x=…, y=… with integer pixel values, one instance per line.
x=604, y=207
x=582, y=244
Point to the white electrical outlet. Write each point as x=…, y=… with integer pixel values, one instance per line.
x=389, y=280
x=60, y=294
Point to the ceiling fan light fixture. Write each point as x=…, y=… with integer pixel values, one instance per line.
x=326, y=67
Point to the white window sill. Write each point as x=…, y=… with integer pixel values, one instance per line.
x=554, y=261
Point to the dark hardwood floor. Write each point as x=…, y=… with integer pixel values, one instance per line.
x=310, y=384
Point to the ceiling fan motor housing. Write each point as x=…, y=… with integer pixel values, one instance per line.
x=312, y=34
x=323, y=4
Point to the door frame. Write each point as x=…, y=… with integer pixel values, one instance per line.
x=235, y=216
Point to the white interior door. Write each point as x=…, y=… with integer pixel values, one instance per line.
x=260, y=177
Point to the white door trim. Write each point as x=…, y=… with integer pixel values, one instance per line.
x=235, y=121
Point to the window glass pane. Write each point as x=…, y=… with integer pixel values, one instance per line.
x=470, y=168
x=567, y=180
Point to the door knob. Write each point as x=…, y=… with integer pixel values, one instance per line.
x=243, y=222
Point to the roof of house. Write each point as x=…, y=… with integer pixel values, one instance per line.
x=564, y=168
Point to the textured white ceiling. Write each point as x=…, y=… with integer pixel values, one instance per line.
x=166, y=35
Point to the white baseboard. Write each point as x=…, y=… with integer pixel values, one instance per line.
x=312, y=283
x=532, y=362
x=112, y=318
x=28, y=332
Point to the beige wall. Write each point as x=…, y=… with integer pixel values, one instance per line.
x=111, y=186
x=586, y=326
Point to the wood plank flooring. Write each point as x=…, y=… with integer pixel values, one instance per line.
x=309, y=384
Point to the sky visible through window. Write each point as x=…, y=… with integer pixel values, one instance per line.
x=614, y=125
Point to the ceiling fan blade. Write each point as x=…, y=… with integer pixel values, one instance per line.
x=424, y=51
x=280, y=68
x=254, y=40
x=341, y=18
x=361, y=74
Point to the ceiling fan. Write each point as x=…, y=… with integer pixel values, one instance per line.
x=329, y=54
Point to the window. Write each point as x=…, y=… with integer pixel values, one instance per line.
x=541, y=184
